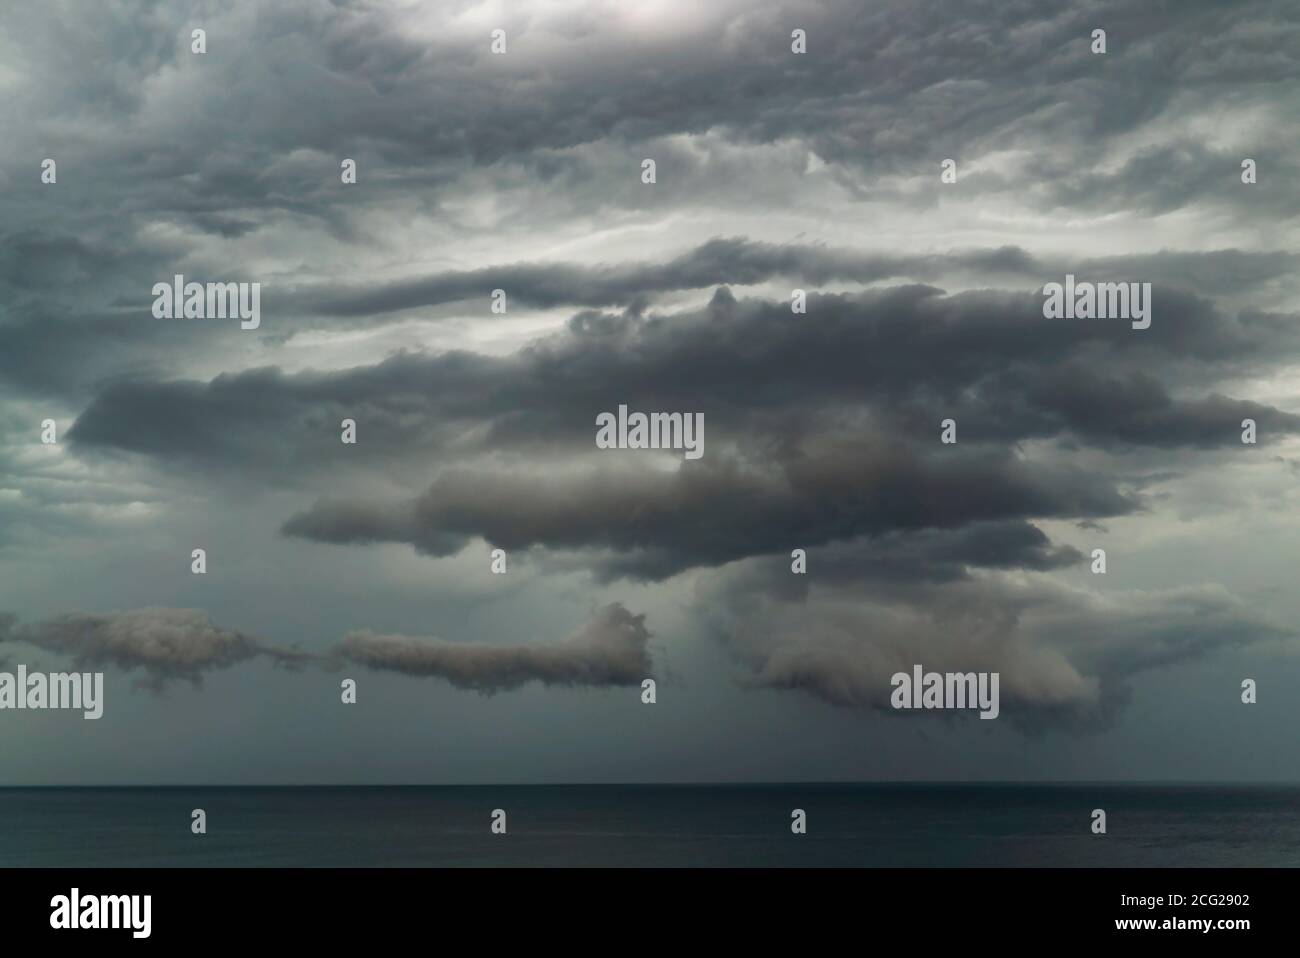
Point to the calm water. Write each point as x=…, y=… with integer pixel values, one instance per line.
x=615, y=825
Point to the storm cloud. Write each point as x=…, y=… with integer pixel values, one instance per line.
x=661, y=523
x=893, y=357
x=164, y=644
x=609, y=650
x=777, y=174
x=1066, y=656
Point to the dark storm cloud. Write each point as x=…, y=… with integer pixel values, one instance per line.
x=275, y=423
x=609, y=650
x=822, y=429
x=420, y=112
x=898, y=556
x=183, y=644
x=1023, y=70
x=165, y=644
x=934, y=554
x=63, y=348
x=1137, y=410
x=1066, y=657
x=900, y=357
x=661, y=523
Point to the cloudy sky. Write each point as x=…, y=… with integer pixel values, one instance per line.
x=775, y=171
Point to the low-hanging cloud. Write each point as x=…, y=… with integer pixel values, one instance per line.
x=608, y=650
x=1066, y=655
x=165, y=644
x=657, y=524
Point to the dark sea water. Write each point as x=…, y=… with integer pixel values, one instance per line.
x=618, y=825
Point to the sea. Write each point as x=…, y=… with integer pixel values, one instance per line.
x=848, y=825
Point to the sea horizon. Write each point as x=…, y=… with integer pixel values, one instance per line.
x=894, y=824
x=955, y=783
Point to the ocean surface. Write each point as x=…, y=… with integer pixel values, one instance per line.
x=684, y=825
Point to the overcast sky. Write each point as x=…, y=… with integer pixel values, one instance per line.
x=775, y=170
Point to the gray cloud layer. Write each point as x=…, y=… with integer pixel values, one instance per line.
x=662, y=523
x=170, y=644
x=608, y=650
x=775, y=170
x=988, y=359
x=1066, y=656
x=165, y=644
